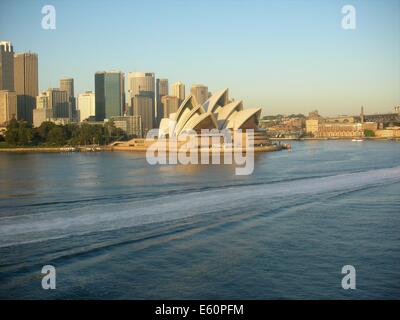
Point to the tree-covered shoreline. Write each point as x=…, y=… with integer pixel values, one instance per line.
x=49, y=134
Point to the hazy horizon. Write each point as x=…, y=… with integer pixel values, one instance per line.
x=284, y=56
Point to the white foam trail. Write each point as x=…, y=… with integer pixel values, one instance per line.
x=58, y=224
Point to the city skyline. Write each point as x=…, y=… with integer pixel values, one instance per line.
x=312, y=64
x=140, y=85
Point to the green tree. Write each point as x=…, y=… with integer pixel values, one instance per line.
x=25, y=134
x=11, y=137
x=13, y=124
x=57, y=136
x=110, y=131
x=18, y=133
x=22, y=134
x=44, y=129
x=70, y=129
x=369, y=133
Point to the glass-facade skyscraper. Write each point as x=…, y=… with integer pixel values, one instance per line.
x=26, y=83
x=109, y=94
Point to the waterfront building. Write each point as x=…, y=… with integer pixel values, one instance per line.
x=339, y=130
x=178, y=90
x=200, y=93
x=170, y=105
x=312, y=126
x=143, y=107
x=321, y=128
x=8, y=106
x=109, y=94
x=26, y=84
x=86, y=105
x=131, y=125
x=388, y=132
x=6, y=66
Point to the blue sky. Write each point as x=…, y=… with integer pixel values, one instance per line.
x=284, y=56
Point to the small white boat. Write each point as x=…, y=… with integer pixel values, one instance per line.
x=357, y=140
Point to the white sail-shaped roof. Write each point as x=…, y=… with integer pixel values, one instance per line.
x=223, y=113
x=201, y=121
x=218, y=99
x=187, y=114
x=188, y=103
x=216, y=112
x=241, y=117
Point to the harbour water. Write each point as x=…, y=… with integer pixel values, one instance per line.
x=115, y=227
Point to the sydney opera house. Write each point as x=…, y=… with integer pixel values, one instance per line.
x=219, y=112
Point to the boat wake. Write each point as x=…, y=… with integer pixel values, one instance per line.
x=16, y=230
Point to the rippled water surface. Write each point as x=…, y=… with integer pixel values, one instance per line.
x=115, y=227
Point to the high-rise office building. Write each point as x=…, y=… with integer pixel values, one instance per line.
x=86, y=105
x=161, y=91
x=67, y=84
x=140, y=82
x=58, y=102
x=6, y=66
x=109, y=94
x=143, y=107
x=8, y=106
x=200, y=92
x=178, y=90
x=26, y=84
x=42, y=101
x=170, y=105
x=51, y=105
x=163, y=87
